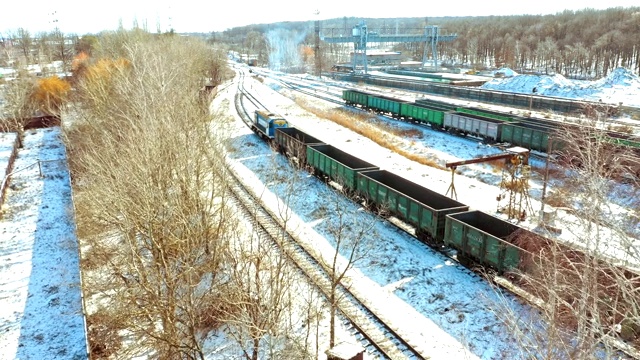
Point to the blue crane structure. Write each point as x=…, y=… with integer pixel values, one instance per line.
x=361, y=37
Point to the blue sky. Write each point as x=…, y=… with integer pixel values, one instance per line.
x=73, y=16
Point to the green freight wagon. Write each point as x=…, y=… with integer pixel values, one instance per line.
x=385, y=105
x=623, y=139
x=481, y=238
x=355, y=97
x=427, y=76
x=431, y=115
x=527, y=135
x=414, y=204
x=336, y=165
x=293, y=143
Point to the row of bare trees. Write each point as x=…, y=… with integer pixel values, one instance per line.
x=578, y=43
x=151, y=210
x=171, y=270
x=585, y=43
x=21, y=48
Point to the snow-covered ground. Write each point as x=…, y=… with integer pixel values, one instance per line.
x=443, y=293
x=456, y=300
x=40, y=308
x=39, y=280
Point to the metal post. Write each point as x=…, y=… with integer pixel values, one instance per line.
x=546, y=177
x=533, y=91
x=452, y=187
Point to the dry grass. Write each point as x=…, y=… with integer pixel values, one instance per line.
x=559, y=198
x=626, y=129
x=498, y=166
x=103, y=333
x=380, y=132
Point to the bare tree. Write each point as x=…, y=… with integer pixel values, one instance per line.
x=261, y=281
x=262, y=317
x=19, y=106
x=62, y=48
x=349, y=229
x=25, y=42
x=147, y=167
x=255, y=46
x=588, y=294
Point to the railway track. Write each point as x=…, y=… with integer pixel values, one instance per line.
x=316, y=91
x=380, y=339
x=330, y=97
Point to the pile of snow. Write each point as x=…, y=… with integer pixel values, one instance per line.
x=506, y=72
x=621, y=85
x=544, y=84
x=618, y=77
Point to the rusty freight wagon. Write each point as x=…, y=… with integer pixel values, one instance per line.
x=293, y=143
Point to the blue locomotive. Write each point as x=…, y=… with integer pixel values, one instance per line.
x=266, y=123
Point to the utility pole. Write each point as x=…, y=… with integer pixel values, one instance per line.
x=316, y=50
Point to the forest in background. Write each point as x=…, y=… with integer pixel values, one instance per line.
x=584, y=44
x=578, y=44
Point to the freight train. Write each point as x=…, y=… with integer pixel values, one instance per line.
x=479, y=239
x=491, y=126
x=438, y=220
x=506, y=98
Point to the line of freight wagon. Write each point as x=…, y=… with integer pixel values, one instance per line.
x=490, y=126
x=494, y=126
x=478, y=238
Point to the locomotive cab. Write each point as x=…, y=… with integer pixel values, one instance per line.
x=266, y=123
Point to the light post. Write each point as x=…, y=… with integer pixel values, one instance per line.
x=535, y=90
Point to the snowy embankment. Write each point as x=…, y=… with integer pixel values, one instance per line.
x=620, y=86
x=41, y=313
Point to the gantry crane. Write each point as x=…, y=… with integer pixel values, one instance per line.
x=361, y=37
x=515, y=180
